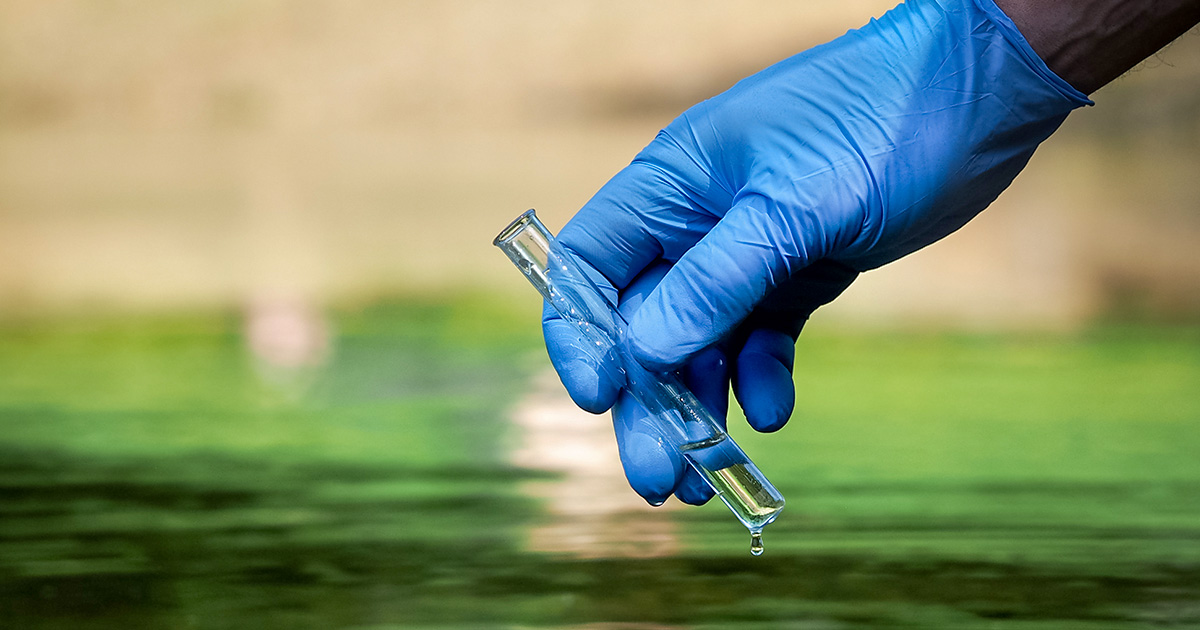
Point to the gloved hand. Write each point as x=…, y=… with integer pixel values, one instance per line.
x=766, y=201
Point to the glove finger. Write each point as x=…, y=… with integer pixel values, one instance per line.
x=692, y=488
x=763, y=382
x=593, y=384
x=720, y=280
x=614, y=237
x=707, y=375
x=762, y=376
x=651, y=465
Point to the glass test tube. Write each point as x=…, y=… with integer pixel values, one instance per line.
x=682, y=420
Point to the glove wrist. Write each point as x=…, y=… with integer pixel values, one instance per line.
x=1017, y=39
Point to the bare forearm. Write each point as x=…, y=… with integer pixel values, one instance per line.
x=1091, y=42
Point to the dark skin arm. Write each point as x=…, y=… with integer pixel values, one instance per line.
x=1091, y=42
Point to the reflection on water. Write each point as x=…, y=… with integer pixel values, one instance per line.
x=590, y=510
x=289, y=340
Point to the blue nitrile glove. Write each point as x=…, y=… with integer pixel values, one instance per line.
x=770, y=198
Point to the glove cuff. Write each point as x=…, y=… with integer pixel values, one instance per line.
x=1011, y=33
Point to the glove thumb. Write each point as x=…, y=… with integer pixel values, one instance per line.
x=720, y=280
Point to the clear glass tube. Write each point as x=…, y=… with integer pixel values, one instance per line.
x=683, y=422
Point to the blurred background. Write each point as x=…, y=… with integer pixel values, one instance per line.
x=260, y=365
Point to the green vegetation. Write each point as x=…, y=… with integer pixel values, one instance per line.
x=152, y=476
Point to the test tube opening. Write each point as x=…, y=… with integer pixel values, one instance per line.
x=515, y=227
x=526, y=242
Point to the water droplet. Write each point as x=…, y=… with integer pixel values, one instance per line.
x=756, y=544
x=658, y=503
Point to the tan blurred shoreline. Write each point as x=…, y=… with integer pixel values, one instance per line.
x=196, y=155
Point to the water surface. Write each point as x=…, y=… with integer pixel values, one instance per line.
x=151, y=476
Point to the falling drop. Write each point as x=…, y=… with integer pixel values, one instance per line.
x=756, y=545
x=657, y=503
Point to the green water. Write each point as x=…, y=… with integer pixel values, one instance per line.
x=151, y=477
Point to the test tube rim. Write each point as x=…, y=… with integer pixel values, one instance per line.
x=512, y=228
